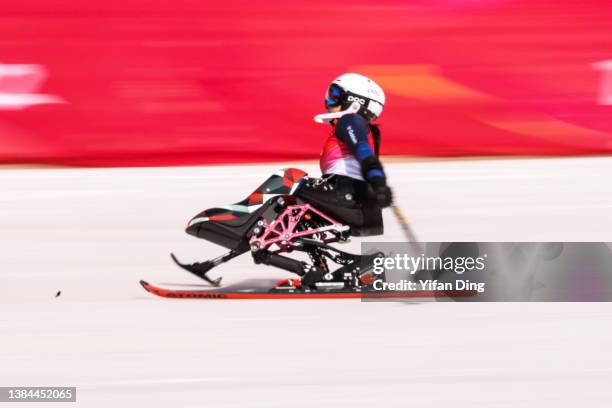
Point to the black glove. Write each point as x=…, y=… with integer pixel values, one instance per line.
x=382, y=193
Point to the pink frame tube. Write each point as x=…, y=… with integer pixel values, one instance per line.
x=283, y=227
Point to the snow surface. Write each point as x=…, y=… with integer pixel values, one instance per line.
x=92, y=234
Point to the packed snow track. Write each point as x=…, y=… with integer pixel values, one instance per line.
x=92, y=234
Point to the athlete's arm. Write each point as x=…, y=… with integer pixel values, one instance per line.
x=353, y=130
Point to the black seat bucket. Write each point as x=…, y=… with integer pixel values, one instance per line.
x=229, y=233
x=229, y=226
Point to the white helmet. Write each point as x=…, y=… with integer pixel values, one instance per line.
x=350, y=88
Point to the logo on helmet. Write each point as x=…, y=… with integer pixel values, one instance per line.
x=352, y=98
x=373, y=91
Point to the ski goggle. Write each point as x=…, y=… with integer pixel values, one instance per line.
x=333, y=96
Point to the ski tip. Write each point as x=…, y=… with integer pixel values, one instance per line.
x=145, y=284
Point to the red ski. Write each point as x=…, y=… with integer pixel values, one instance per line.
x=258, y=292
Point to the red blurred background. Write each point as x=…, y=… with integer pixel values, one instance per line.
x=149, y=82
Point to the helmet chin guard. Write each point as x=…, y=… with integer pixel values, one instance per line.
x=328, y=117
